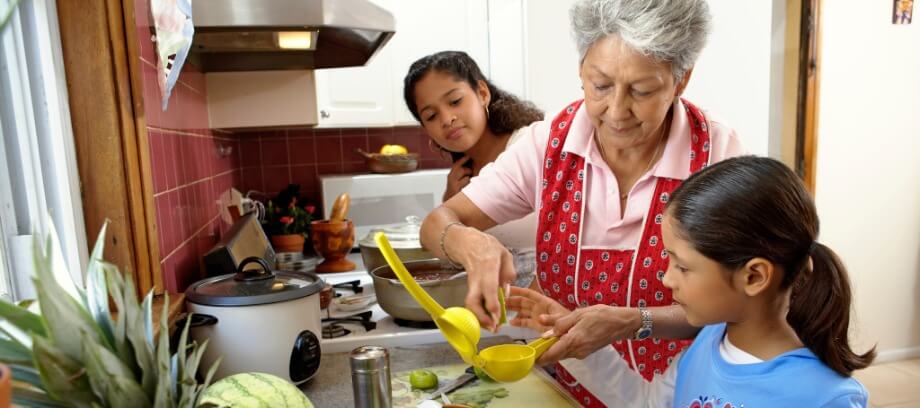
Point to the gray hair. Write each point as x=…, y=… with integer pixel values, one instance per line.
x=673, y=31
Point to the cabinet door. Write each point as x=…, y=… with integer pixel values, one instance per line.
x=358, y=96
x=424, y=27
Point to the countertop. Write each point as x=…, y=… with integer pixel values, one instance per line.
x=331, y=388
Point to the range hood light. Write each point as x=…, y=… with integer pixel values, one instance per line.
x=296, y=40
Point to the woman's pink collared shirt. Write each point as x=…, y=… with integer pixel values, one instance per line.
x=508, y=188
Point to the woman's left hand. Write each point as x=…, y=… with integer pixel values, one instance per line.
x=530, y=306
x=587, y=330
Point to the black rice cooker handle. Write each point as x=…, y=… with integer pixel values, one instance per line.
x=200, y=319
x=195, y=320
x=255, y=274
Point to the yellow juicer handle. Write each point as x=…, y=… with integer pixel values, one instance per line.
x=541, y=345
x=422, y=297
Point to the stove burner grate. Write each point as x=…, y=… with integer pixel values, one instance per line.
x=334, y=330
x=415, y=324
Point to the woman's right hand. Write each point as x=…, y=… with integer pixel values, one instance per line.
x=489, y=265
x=458, y=177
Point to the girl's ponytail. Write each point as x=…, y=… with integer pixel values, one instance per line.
x=820, y=312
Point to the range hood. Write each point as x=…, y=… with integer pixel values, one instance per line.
x=263, y=35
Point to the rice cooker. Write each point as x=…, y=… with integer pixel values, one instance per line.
x=259, y=320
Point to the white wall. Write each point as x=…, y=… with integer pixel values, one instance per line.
x=550, y=59
x=733, y=75
x=732, y=78
x=868, y=169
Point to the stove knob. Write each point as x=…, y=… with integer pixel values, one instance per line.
x=305, y=357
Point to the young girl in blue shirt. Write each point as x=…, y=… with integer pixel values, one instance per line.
x=773, y=303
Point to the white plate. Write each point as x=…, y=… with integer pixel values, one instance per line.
x=354, y=302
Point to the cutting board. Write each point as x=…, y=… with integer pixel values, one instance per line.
x=538, y=389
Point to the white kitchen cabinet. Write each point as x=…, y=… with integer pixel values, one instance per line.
x=372, y=95
x=260, y=99
x=424, y=27
x=357, y=96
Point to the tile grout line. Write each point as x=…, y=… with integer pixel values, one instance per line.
x=287, y=151
x=208, y=178
x=261, y=170
x=185, y=133
x=187, y=240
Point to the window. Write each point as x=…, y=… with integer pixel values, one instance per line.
x=38, y=170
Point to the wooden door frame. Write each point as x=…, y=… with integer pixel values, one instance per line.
x=100, y=52
x=808, y=88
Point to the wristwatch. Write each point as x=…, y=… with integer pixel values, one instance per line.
x=645, y=331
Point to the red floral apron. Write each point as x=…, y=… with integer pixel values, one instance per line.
x=577, y=277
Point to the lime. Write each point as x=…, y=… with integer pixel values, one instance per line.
x=482, y=375
x=423, y=379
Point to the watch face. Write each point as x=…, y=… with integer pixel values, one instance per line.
x=643, y=333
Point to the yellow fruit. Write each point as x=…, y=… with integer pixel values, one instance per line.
x=393, y=149
x=423, y=379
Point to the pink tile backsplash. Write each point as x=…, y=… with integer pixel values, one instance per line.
x=314, y=152
x=189, y=174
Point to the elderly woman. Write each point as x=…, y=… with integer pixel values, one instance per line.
x=599, y=174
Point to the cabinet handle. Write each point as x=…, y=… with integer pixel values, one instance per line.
x=323, y=114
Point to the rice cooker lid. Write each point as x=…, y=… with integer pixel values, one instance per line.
x=401, y=236
x=254, y=286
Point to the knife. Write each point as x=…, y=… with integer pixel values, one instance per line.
x=460, y=381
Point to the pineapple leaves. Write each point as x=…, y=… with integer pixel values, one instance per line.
x=21, y=318
x=13, y=352
x=27, y=375
x=143, y=349
x=97, y=293
x=165, y=395
x=110, y=378
x=75, y=354
x=58, y=266
x=26, y=397
x=66, y=319
x=64, y=378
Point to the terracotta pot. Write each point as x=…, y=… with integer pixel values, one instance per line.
x=288, y=243
x=333, y=240
x=6, y=386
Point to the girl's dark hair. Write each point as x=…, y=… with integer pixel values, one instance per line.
x=507, y=112
x=749, y=207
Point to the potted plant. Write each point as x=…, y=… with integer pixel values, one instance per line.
x=287, y=222
x=67, y=349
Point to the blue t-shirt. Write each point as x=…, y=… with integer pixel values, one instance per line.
x=793, y=379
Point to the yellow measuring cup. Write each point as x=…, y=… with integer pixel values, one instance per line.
x=459, y=325
x=504, y=362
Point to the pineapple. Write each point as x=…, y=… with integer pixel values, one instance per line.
x=68, y=351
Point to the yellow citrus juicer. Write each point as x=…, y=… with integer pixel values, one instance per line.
x=504, y=362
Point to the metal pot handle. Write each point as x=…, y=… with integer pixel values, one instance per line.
x=253, y=275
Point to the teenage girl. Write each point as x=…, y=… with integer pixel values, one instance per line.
x=470, y=118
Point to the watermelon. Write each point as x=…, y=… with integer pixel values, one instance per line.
x=255, y=390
